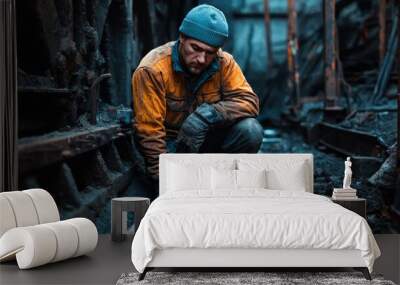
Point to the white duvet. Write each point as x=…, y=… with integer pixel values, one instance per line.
x=252, y=218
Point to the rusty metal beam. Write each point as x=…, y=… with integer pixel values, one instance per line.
x=330, y=54
x=292, y=54
x=388, y=61
x=382, y=30
x=350, y=142
x=268, y=43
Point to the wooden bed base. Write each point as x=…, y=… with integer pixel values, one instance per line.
x=249, y=258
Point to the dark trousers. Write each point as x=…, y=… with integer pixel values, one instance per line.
x=244, y=136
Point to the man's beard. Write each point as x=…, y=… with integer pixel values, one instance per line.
x=195, y=70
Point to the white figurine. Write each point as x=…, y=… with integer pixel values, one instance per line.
x=347, y=174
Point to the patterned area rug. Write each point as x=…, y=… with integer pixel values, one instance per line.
x=231, y=278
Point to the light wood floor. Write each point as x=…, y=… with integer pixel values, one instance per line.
x=111, y=259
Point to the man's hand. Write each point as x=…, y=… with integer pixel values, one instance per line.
x=194, y=129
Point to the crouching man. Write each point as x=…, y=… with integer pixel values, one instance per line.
x=190, y=96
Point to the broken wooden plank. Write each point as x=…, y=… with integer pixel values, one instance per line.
x=46, y=90
x=37, y=152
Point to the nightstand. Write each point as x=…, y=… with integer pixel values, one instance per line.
x=358, y=205
x=119, y=209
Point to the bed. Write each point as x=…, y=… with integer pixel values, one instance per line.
x=247, y=210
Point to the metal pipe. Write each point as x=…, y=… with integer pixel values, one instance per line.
x=268, y=43
x=330, y=56
x=94, y=95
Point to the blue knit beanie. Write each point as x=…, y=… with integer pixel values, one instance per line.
x=206, y=24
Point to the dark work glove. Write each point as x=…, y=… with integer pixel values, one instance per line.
x=194, y=129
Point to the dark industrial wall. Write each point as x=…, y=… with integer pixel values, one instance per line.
x=64, y=47
x=68, y=44
x=361, y=123
x=357, y=27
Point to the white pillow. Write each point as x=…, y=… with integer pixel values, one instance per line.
x=204, y=161
x=223, y=179
x=292, y=179
x=228, y=179
x=183, y=178
x=251, y=178
x=282, y=174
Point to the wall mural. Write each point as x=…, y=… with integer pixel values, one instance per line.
x=326, y=77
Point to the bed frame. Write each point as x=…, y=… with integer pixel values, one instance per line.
x=243, y=259
x=247, y=258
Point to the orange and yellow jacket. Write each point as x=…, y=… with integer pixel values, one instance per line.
x=164, y=95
